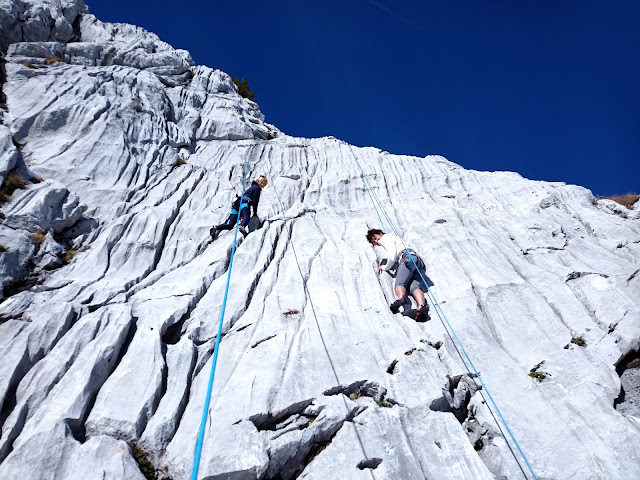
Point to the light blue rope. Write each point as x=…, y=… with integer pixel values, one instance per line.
x=205, y=410
x=442, y=315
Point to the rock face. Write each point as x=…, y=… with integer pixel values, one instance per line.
x=109, y=353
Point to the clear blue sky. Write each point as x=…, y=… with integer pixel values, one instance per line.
x=547, y=88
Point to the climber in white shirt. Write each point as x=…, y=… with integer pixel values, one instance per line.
x=407, y=275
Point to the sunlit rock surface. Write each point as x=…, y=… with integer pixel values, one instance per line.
x=110, y=349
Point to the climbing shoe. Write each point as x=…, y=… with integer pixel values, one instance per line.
x=410, y=313
x=214, y=232
x=243, y=230
x=421, y=314
x=395, y=306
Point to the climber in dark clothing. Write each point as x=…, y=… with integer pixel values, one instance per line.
x=250, y=199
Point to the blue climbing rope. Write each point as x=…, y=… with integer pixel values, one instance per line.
x=216, y=348
x=441, y=314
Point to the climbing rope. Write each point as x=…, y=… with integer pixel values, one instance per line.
x=445, y=322
x=216, y=348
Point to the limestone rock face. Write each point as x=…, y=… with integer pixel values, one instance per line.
x=109, y=351
x=38, y=21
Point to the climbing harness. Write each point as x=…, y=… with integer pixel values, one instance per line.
x=447, y=325
x=216, y=348
x=235, y=212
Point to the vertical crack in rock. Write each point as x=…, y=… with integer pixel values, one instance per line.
x=163, y=236
x=162, y=426
x=254, y=284
x=173, y=333
x=392, y=367
x=149, y=184
x=110, y=246
x=38, y=391
x=57, y=327
x=9, y=402
x=628, y=400
x=77, y=426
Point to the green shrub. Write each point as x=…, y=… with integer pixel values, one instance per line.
x=243, y=88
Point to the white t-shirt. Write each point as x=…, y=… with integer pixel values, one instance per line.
x=393, y=246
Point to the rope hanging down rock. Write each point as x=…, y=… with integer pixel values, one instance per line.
x=449, y=329
x=216, y=348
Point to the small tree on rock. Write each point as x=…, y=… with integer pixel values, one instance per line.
x=243, y=88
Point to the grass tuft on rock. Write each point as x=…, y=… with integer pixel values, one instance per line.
x=51, y=59
x=12, y=183
x=180, y=161
x=38, y=238
x=36, y=179
x=69, y=255
x=3, y=249
x=579, y=341
x=141, y=457
x=627, y=200
x=534, y=373
x=29, y=65
x=382, y=402
x=538, y=376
